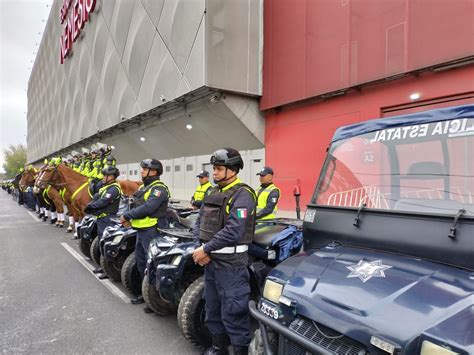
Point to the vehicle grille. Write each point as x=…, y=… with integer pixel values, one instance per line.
x=323, y=336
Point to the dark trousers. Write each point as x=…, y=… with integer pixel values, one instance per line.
x=227, y=292
x=102, y=223
x=144, y=237
x=21, y=198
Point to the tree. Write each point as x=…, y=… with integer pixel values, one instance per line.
x=15, y=158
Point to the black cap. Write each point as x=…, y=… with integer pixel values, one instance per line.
x=203, y=173
x=265, y=171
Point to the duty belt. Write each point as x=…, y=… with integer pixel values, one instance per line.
x=231, y=250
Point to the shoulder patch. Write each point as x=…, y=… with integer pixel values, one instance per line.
x=156, y=193
x=108, y=195
x=241, y=213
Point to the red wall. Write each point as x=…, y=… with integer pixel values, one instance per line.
x=313, y=47
x=296, y=137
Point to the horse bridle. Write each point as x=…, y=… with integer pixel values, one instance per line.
x=52, y=179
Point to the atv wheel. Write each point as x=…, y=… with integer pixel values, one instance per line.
x=191, y=315
x=95, y=250
x=85, y=246
x=130, y=275
x=112, y=268
x=153, y=299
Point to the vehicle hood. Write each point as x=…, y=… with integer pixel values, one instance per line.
x=364, y=291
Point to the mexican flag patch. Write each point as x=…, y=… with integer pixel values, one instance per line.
x=241, y=213
x=157, y=193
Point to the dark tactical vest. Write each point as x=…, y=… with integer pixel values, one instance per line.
x=214, y=215
x=139, y=199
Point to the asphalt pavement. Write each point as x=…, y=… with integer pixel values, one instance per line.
x=51, y=303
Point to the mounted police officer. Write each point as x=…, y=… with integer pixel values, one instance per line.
x=148, y=213
x=202, y=190
x=267, y=194
x=85, y=162
x=105, y=203
x=76, y=156
x=225, y=226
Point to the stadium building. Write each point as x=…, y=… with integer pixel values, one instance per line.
x=177, y=79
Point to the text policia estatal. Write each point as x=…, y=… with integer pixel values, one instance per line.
x=452, y=128
x=74, y=14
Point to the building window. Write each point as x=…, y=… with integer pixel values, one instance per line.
x=168, y=168
x=135, y=172
x=177, y=168
x=189, y=167
x=131, y=172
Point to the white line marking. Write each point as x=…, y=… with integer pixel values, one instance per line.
x=107, y=283
x=33, y=216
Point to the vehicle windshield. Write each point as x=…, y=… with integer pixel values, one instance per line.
x=423, y=168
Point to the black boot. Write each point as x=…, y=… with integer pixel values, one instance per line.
x=219, y=345
x=241, y=350
x=137, y=300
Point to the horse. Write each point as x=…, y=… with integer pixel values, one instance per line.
x=77, y=185
x=27, y=180
x=50, y=200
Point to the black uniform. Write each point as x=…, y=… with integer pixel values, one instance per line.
x=105, y=204
x=227, y=220
x=151, y=202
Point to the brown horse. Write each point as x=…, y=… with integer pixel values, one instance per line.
x=28, y=178
x=77, y=185
x=52, y=199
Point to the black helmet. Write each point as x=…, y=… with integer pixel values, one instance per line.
x=109, y=159
x=228, y=157
x=111, y=170
x=152, y=164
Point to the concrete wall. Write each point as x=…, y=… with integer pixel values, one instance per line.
x=180, y=173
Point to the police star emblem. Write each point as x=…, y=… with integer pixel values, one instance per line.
x=365, y=270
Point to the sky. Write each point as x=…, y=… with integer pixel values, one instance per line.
x=22, y=23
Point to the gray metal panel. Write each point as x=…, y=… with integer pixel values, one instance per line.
x=137, y=50
x=233, y=33
x=134, y=56
x=154, y=9
x=119, y=26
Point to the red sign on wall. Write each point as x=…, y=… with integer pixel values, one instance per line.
x=73, y=15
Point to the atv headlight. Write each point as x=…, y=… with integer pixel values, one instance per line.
x=117, y=239
x=176, y=260
x=429, y=348
x=272, y=291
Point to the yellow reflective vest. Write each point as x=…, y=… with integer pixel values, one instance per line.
x=148, y=222
x=201, y=191
x=263, y=194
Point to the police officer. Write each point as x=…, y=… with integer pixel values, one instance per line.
x=105, y=203
x=268, y=195
x=148, y=213
x=95, y=165
x=76, y=156
x=202, y=190
x=225, y=226
x=84, y=168
x=21, y=195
